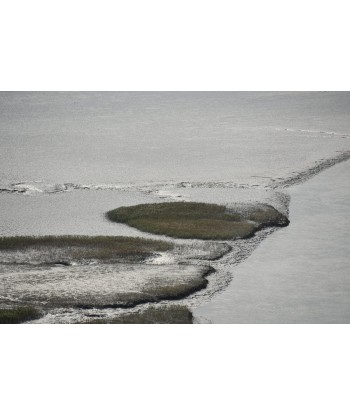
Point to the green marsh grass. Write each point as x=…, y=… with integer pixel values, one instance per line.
x=197, y=220
x=18, y=315
x=174, y=314
x=100, y=247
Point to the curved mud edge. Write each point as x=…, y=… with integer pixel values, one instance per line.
x=182, y=292
x=225, y=266
x=30, y=187
x=313, y=171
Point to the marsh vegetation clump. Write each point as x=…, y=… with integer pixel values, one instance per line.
x=193, y=220
x=63, y=249
x=173, y=314
x=18, y=315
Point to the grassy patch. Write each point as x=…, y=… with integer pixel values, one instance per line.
x=173, y=210
x=197, y=220
x=18, y=315
x=174, y=314
x=87, y=247
x=211, y=229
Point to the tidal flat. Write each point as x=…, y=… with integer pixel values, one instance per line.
x=109, y=272
x=68, y=158
x=55, y=272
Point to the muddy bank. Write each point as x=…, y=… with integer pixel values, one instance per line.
x=99, y=272
x=104, y=272
x=99, y=285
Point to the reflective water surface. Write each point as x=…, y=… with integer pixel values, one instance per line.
x=299, y=274
x=49, y=139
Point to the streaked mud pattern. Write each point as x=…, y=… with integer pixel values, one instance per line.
x=58, y=280
x=98, y=286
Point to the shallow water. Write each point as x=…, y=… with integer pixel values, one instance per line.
x=299, y=274
x=79, y=213
x=65, y=150
x=119, y=138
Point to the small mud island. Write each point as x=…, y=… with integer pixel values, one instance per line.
x=41, y=274
x=205, y=221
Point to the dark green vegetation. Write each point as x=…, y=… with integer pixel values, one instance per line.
x=174, y=314
x=198, y=220
x=18, y=315
x=88, y=247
